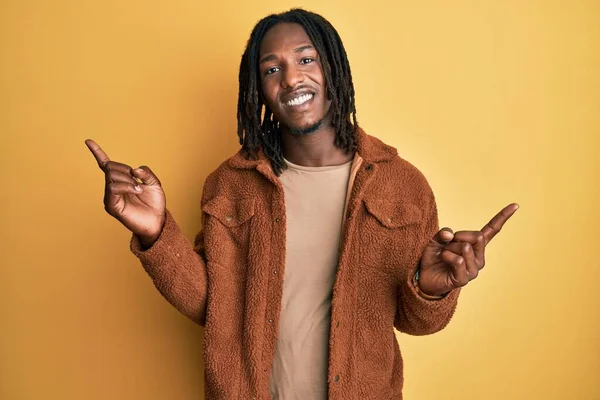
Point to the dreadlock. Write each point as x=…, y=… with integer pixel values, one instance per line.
x=257, y=127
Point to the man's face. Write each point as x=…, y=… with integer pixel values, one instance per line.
x=292, y=80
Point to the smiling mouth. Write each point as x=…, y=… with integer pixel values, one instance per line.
x=297, y=101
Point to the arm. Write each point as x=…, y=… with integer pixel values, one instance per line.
x=177, y=269
x=417, y=313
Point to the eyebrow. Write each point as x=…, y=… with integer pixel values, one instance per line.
x=272, y=57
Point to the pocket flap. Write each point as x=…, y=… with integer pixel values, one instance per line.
x=391, y=214
x=230, y=212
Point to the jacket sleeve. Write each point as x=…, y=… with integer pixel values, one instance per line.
x=417, y=315
x=177, y=269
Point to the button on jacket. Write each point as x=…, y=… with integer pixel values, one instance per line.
x=230, y=281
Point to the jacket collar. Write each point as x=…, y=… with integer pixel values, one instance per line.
x=369, y=148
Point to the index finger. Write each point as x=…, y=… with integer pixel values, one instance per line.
x=98, y=153
x=495, y=225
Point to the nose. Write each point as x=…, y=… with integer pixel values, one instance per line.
x=292, y=76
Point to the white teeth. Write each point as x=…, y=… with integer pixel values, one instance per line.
x=300, y=100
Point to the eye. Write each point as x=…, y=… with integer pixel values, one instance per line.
x=271, y=70
x=307, y=60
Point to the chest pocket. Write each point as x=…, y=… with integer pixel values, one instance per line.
x=231, y=213
x=227, y=231
x=393, y=215
x=390, y=238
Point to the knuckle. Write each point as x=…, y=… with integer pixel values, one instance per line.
x=492, y=227
x=108, y=209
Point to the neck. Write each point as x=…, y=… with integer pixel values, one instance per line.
x=315, y=150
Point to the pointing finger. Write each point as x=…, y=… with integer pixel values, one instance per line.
x=98, y=153
x=495, y=225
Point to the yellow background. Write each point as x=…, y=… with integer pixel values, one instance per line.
x=495, y=101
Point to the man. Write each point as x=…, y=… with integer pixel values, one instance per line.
x=317, y=239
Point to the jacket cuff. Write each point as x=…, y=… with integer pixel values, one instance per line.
x=439, y=304
x=424, y=295
x=170, y=242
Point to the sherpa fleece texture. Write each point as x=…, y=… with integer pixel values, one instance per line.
x=231, y=280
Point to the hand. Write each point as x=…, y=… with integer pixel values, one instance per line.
x=140, y=207
x=451, y=260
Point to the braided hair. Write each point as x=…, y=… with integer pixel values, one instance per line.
x=257, y=126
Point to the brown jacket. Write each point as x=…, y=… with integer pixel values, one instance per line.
x=232, y=282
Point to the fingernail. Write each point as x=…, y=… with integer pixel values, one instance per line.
x=138, y=189
x=139, y=170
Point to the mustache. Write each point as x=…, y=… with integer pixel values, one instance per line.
x=297, y=89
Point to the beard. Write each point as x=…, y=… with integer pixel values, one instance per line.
x=307, y=130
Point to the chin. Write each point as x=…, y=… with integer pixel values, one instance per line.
x=306, y=129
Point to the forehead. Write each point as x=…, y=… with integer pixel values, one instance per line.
x=282, y=37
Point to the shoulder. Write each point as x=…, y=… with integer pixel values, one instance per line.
x=234, y=178
x=397, y=177
x=408, y=174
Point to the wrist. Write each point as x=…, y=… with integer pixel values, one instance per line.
x=148, y=240
x=421, y=292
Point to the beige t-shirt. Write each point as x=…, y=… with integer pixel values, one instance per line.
x=315, y=202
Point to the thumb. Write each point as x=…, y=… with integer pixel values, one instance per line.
x=443, y=236
x=146, y=175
